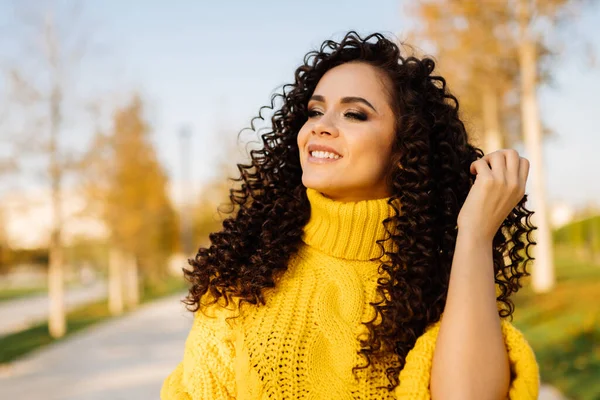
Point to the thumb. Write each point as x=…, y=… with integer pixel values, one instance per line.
x=473, y=168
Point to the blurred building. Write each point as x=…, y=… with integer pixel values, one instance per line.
x=561, y=213
x=27, y=218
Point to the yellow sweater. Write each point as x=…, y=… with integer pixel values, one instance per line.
x=304, y=342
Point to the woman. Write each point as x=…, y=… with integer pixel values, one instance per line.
x=373, y=250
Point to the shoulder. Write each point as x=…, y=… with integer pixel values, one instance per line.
x=215, y=313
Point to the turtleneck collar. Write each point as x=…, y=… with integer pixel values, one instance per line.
x=346, y=230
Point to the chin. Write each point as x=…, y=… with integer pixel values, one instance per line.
x=327, y=189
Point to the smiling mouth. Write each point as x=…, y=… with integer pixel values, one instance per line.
x=323, y=157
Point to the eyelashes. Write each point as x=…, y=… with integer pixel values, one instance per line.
x=349, y=114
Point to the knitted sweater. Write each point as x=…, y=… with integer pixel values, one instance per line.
x=303, y=343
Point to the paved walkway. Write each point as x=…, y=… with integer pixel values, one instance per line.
x=124, y=359
x=19, y=314
x=550, y=393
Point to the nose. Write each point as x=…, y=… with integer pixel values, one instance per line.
x=325, y=126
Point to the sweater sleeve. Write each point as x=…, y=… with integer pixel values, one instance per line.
x=207, y=370
x=416, y=374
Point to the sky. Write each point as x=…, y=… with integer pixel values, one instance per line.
x=210, y=66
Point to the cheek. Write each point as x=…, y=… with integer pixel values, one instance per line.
x=368, y=146
x=302, y=137
x=378, y=156
x=370, y=156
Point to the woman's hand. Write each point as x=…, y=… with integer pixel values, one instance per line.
x=494, y=194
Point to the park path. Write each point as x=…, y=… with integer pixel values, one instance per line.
x=19, y=314
x=126, y=358
x=123, y=359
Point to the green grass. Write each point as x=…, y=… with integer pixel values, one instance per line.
x=16, y=293
x=21, y=343
x=563, y=327
x=18, y=344
x=7, y=294
x=166, y=287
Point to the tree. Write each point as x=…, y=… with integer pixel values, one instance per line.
x=543, y=273
x=5, y=251
x=127, y=187
x=527, y=16
x=472, y=42
x=8, y=159
x=41, y=98
x=206, y=215
x=492, y=53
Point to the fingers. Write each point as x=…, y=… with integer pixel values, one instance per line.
x=513, y=165
x=504, y=165
x=492, y=164
x=497, y=161
x=523, y=170
x=481, y=168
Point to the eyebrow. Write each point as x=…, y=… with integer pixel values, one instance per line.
x=345, y=100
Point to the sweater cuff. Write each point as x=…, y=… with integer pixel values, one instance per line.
x=416, y=374
x=524, y=370
x=172, y=388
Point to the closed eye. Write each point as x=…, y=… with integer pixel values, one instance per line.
x=349, y=114
x=358, y=116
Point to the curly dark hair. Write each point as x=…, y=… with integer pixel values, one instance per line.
x=429, y=177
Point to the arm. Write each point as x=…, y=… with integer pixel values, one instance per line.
x=207, y=369
x=474, y=344
x=415, y=377
x=470, y=359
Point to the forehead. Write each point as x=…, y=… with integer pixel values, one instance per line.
x=352, y=79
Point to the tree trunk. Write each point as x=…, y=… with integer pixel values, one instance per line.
x=491, y=120
x=57, y=325
x=132, y=288
x=115, y=282
x=543, y=278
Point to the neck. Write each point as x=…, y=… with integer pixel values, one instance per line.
x=347, y=229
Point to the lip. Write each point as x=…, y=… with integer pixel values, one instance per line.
x=318, y=147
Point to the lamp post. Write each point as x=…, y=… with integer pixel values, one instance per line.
x=185, y=205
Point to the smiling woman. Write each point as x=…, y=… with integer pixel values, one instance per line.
x=361, y=129
x=368, y=233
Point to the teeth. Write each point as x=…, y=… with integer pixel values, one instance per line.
x=324, y=154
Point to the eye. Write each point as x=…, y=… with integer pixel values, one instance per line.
x=312, y=113
x=354, y=115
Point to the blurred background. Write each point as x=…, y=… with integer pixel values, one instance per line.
x=119, y=125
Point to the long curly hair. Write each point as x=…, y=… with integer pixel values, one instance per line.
x=430, y=179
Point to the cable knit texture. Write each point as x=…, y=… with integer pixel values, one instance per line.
x=304, y=342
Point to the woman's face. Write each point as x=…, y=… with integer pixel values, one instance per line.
x=348, y=114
